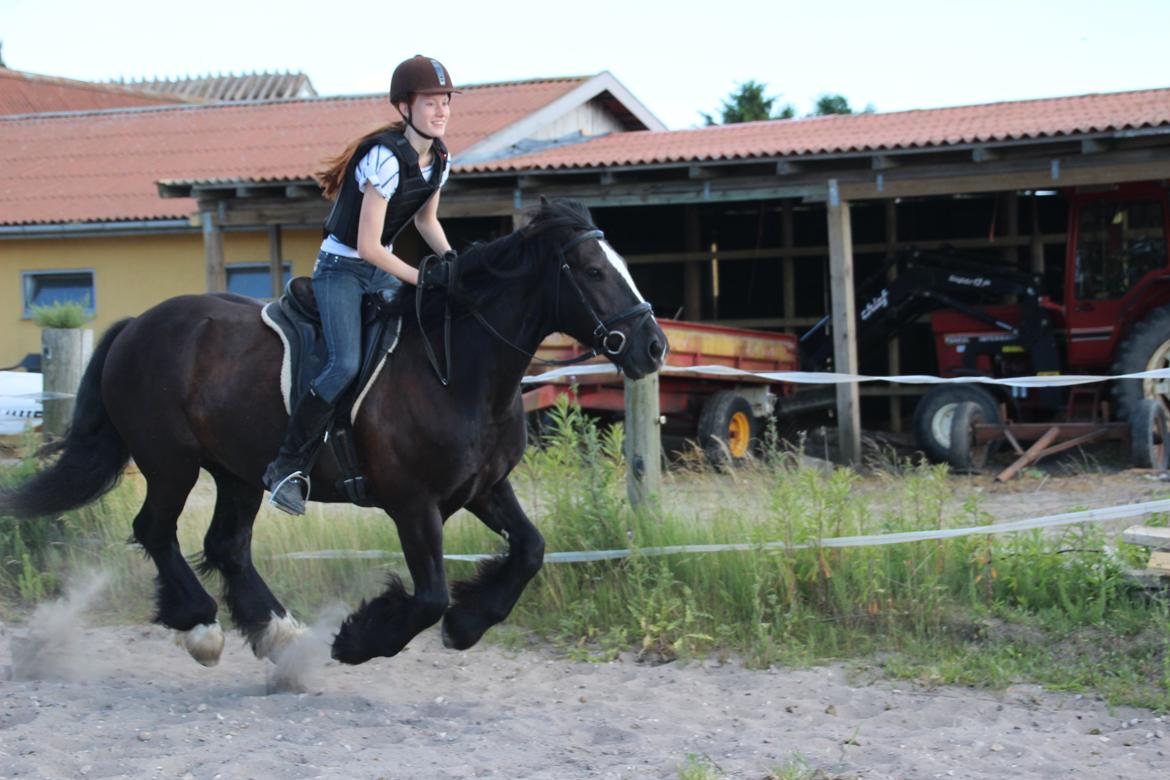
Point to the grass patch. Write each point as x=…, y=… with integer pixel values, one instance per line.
x=1050, y=607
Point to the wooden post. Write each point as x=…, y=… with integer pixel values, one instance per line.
x=788, y=263
x=1037, y=244
x=213, y=252
x=64, y=353
x=844, y=324
x=714, y=281
x=643, y=441
x=894, y=345
x=276, y=260
x=693, y=280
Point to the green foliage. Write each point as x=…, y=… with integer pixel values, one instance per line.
x=831, y=104
x=749, y=104
x=697, y=767
x=61, y=314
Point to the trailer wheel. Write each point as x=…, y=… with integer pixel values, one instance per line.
x=1146, y=348
x=965, y=455
x=727, y=428
x=1148, y=435
x=935, y=412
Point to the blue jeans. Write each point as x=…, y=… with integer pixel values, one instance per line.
x=338, y=283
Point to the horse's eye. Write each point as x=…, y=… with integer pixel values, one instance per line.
x=593, y=273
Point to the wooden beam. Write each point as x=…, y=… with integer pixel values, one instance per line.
x=883, y=162
x=788, y=168
x=788, y=270
x=696, y=172
x=894, y=345
x=982, y=154
x=693, y=279
x=844, y=324
x=308, y=191
x=276, y=260
x=216, y=274
x=1095, y=146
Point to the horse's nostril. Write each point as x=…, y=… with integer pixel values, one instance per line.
x=655, y=349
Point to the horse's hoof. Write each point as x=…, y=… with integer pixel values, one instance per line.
x=203, y=642
x=348, y=648
x=278, y=634
x=456, y=637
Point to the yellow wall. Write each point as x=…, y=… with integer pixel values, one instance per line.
x=131, y=273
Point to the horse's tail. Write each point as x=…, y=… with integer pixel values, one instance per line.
x=93, y=453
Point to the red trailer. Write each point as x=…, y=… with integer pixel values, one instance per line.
x=723, y=413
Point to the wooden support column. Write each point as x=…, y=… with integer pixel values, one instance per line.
x=894, y=345
x=213, y=252
x=693, y=279
x=788, y=262
x=1011, y=253
x=276, y=260
x=1036, y=245
x=844, y=324
x=643, y=442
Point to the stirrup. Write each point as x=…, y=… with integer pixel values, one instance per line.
x=275, y=490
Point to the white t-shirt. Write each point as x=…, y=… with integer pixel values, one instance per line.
x=380, y=168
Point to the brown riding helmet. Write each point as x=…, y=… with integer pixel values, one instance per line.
x=419, y=76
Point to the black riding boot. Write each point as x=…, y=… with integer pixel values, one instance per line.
x=306, y=431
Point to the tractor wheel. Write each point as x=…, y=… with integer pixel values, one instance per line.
x=1148, y=434
x=1146, y=348
x=934, y=413
x=965, y=455
x=727, y=428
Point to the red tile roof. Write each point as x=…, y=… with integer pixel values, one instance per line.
x=29, y=93
x=994, y=122
x=104, y=165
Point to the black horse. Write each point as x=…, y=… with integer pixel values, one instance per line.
x=193, y=383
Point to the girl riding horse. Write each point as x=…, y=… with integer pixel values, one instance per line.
x=381, y=182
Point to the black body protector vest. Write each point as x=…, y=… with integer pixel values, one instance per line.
x=409, y=197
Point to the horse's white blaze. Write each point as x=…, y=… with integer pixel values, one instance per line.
x=619, y=265
x=278, y=634
x=203, y=642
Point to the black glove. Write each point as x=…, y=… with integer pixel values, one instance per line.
x=434, y=274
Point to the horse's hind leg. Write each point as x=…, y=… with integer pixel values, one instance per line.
x=488, y=598
x=227, y=548
x=182, y=602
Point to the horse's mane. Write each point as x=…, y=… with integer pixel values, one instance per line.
x=487, y=269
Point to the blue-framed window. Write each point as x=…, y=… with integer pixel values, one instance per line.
x=44, y=288
x=254, y=279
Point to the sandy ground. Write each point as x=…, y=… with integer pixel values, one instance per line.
x=126, y=702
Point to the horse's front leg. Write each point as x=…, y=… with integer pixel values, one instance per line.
x=488, y=597
x=382, y=627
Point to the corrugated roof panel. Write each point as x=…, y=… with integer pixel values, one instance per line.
x=29, y=93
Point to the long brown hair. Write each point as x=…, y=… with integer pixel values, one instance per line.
x=331, y=177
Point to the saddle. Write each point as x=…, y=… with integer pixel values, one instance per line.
x=297, y=321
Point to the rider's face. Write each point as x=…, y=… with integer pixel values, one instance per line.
x=430, y=113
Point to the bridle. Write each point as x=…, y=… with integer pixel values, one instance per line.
x=606, y=338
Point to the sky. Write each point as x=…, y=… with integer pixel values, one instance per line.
x=679, y=58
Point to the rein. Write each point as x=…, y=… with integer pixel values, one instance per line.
x=606, y=338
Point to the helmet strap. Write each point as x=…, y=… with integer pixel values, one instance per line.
x=410, y=121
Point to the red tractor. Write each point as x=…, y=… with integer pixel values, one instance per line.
x=1112, y=318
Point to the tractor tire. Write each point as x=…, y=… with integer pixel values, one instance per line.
x=965, y=455
x=934, y=413
x=1147, y=347
x=727, y=429
x=1148, y=423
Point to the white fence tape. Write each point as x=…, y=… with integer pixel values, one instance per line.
x=829, y=378
x=870, y=540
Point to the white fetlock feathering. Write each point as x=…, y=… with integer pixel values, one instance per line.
x=278, y=634
x=203, y=642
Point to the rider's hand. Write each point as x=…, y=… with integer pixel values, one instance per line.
x=435, y=273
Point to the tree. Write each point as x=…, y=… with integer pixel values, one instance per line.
x=749, y=104
x=831, y=104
